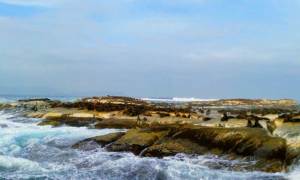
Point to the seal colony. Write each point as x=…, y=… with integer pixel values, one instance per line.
x=237, y=128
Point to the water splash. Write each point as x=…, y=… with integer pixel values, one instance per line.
x=29, y=151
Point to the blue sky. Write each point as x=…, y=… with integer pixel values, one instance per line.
x=157, y=48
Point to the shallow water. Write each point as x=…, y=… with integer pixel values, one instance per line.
x=28, y=151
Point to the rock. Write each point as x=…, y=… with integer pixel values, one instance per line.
x=271, y=126
x=272, y=148
x=35, y=100
x=53, y=123
x=135, y=140
x=34, y=114
x=82, y=115
x=247, y=102
x=295, y=118
x=52, y=115
x=100, y=140
x=257, y=124
x=278, y=122
x=116, y=123
x=169, y=147
x=235, y=123
x=57, y=119
x=271, y=166
x=242, y=141
x=5, y=106
x=290, y=131
x=270, y=152
x=34, y=104
x=271, y=116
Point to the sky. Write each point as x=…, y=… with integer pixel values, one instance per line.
x=151, y=48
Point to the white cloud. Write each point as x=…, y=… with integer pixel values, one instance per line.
x=66, y=46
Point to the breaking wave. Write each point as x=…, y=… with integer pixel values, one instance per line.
x=28, y=151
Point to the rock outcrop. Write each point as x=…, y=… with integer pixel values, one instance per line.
x=100, y=140
x=249, y=102
x=58, y=119
x=270, y=152
x=135, y=140
x=247, y=129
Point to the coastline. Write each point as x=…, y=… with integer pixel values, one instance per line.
x=164, y=129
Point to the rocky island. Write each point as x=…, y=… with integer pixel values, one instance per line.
x=260, y=130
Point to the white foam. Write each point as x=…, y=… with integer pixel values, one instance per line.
x=42, y=151
x=18, y=164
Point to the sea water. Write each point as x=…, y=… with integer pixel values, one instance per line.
x=29, y=151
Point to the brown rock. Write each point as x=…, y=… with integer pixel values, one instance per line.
x=135, y=140
x=100, y=140
x=169, y=147
x=116, y=123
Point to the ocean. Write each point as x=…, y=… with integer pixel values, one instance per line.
x=29, y=151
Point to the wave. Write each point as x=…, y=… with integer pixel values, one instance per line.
x=32, y=152
x=18, y=164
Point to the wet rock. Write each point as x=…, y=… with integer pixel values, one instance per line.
x=34, y=104
x=271, y=126
x=270, y=152
x=290, y=131
x=242, y=141
x=35, y=100
x=53, y=123
x=34, y=115
x=169, y=147
x=100, y=140
x=271, y=166
x=135, y=140
x=116, y=123
x=5, y=106
x=293, y=118
x=58, y=119
x=52, y=115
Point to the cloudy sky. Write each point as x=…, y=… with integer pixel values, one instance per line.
x=154, y=48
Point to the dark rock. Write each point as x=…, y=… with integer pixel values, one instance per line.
x=100, y=140
x=135, y=140
x=35, y=99
x=242, y=141
x=206, y=118
x=160, y=141
x=70, y=121
x=5, y=106
x=256, y=124
x=53, y=123
x=116, y=123
x=169, y=147
x=271, y=166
